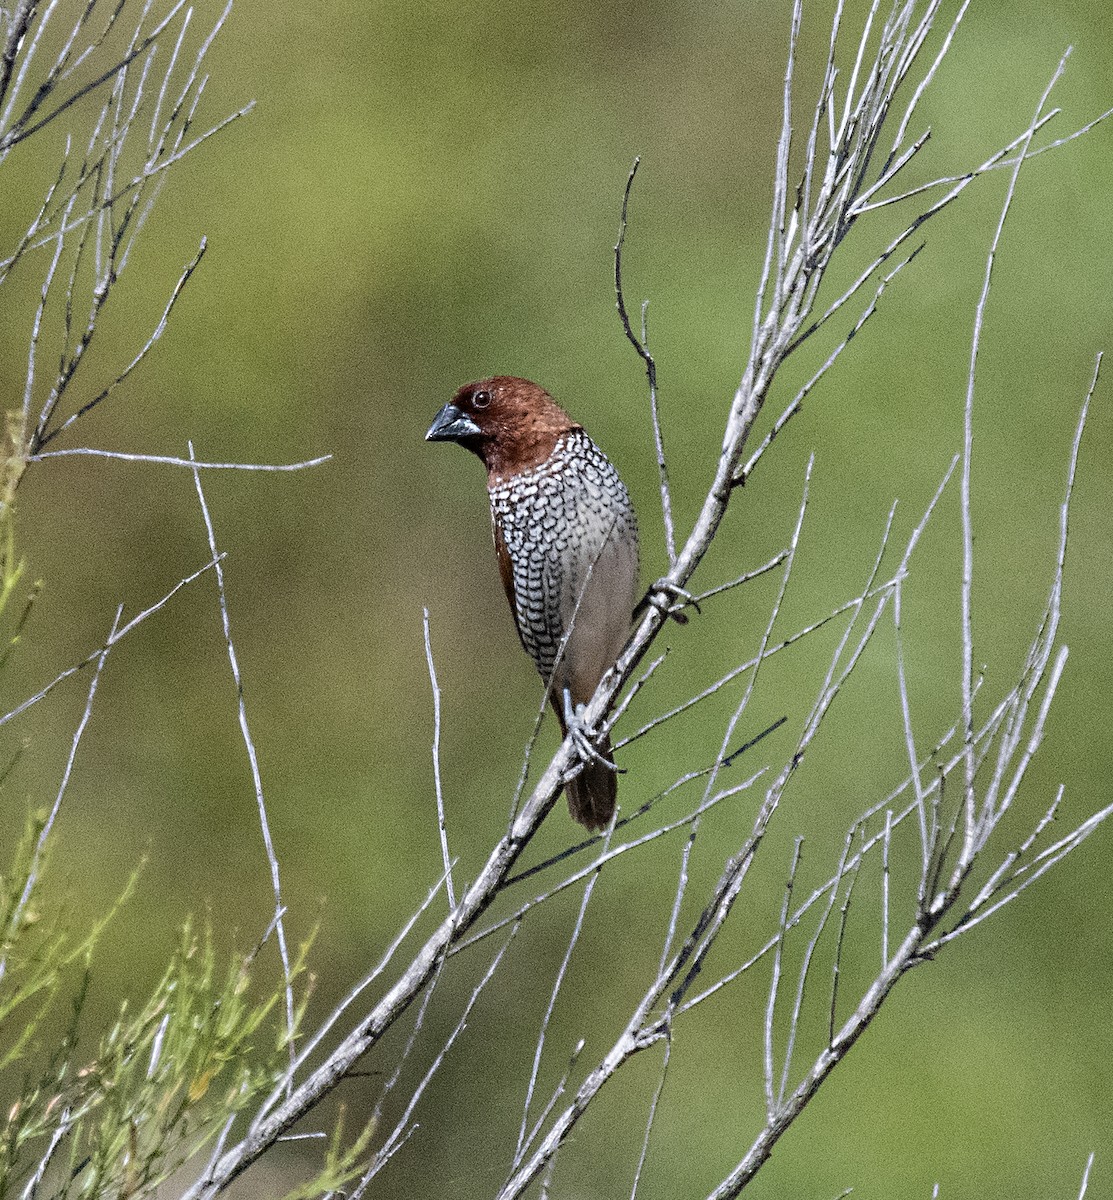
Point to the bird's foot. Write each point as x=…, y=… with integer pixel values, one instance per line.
x=671, y=600
x=583, y=738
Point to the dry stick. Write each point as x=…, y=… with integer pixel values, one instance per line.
x=437, y=764
x=798, y=401
x=840, y=937
x=104, y=174
x=392, y=1142
x=358, y=1191
x=195, y=84
x=848, y=867
x=558, y=983
x=1042, y=863
x=999, y=161
x=805, y=968
x=1041, y=646
x=18, y=24
x=738, y=868
x=778, y=240
x=29, y=55
x=1086, y=1177
x=834, y=686
x=148, y=173
x=36, y=328
x=221, y=1141
x=601, y=861
x=676, y=785
x=20, y=132
x=745, y=577
x=960, y=183
x=824, y=98
x=153, y=147
x=63, y=66
x=253, y=760
x=634, y=688
x=547, y=1181
x=193, y=79
x=767, y=635
x=411, y=1041
x=1005, y=873
x=924, y=83
x=1018, y=704
x=159, y=330
x=670, y=936
x=771, y=1101
x=1029, y=872
x=969, y=840
x=910, y=744
x=912, y=950
x=678, y=896
x=106, y=275
x=558, y=1091
x=40, y=217
x=42, y=693
x=78, y=258
x=641, y=345
x=750, y=663
x=751, y=683
x=653, y=1112
x=903, y=959
x=267, y=1127
x=171, y=461
x=16, y=916
x=310, y=1045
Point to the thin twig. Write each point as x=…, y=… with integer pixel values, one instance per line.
x=970, y=830
x=441, y=827
x=170, y=460
x=641, y=345
x=16, y=916
x=652, y=1117
x=256, y=774
x=137, y=620
x=160, y=328
x=558, y=983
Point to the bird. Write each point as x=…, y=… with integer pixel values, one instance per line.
x=566, y=542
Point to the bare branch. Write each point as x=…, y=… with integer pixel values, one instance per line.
x=437, y=764
x=16, y=916
x=253, y=760
x=641, y=345
x=169, y=460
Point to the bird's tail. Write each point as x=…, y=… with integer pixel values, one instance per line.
x=592, y=793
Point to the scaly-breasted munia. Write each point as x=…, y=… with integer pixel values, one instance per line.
x=566, y=540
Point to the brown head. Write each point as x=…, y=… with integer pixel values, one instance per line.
x=510, y=423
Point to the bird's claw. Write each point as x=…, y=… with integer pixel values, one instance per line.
x=581, y=737
x=671, y=600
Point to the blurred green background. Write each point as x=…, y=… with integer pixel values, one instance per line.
x=429, y=193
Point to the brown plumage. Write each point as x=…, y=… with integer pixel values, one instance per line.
x=566, y=540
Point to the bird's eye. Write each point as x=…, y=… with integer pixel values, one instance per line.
x=481, y=398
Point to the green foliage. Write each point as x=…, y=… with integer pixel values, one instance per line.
x=157, y=1085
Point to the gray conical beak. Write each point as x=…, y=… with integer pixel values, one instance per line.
x=451, y=425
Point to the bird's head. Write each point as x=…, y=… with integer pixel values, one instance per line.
x=511, y=424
